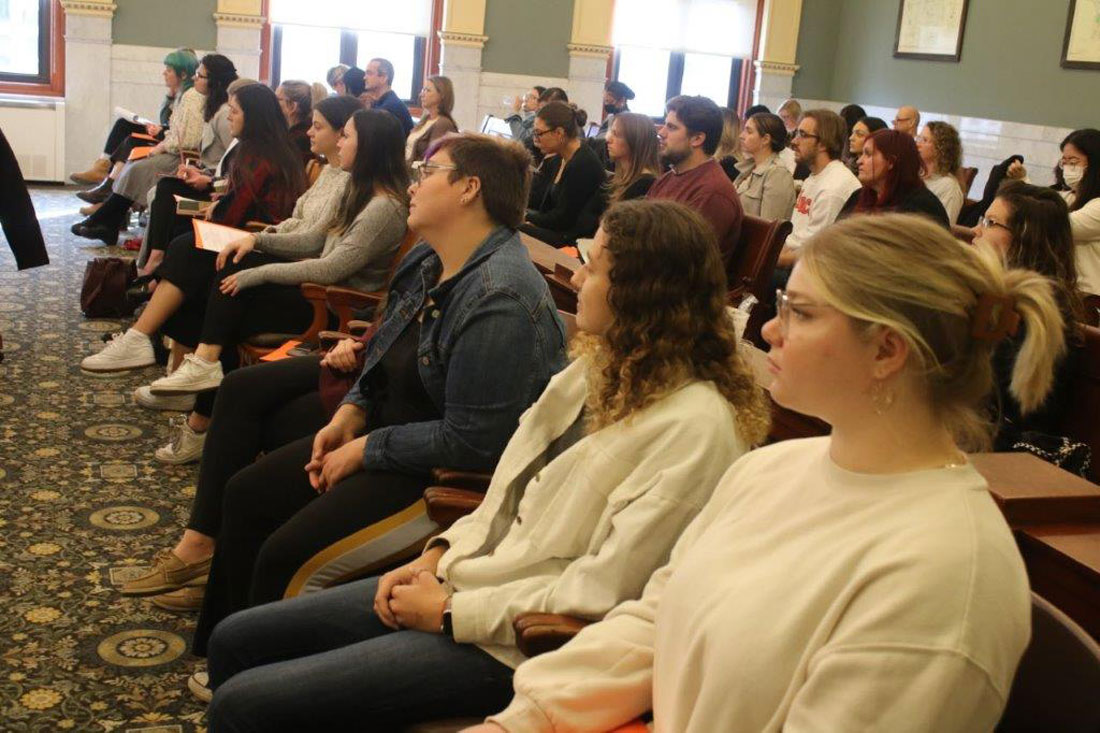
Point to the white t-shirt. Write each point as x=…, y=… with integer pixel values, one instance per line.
x=948, y=191
x=786, y=158
x=1086, y=236
x=805, y=597
x=819, y=202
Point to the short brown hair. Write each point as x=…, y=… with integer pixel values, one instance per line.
x=832, y=131
x=502, y=166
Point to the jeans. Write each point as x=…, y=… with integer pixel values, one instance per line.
x=325, y=662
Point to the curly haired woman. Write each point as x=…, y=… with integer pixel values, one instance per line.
x=603, y=474
x=941, y=153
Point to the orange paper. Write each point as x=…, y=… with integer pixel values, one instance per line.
x=143, y=136
x=140, y=153
x=572, y=252
x=214, y=237
x=281, y=352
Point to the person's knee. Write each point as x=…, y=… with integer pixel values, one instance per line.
x=277, y=563
x=240, y=704
x=242, y=492
x=227, y=649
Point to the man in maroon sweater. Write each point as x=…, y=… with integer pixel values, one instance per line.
x=688, y=139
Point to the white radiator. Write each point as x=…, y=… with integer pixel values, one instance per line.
x=35, y=129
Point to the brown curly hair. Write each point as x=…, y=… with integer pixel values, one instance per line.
x=945, y=139
x=671, y=326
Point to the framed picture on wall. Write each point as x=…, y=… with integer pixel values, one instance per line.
x=1081, y=49
x=930, y=29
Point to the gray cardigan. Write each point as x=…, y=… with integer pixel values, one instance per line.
x=360, y=258
x=766, y=191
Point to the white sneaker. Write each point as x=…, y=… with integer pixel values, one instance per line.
x=129, y=350
x=144, y=397
x=186, y=446
x=199, y=685
x=193, y=375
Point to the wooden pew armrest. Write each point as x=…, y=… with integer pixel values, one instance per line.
x=447, y=505
x=538, y=633
x=470, y=480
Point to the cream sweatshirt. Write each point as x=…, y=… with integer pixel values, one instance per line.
x=1086, y=236
x=806, y=597
x=949, y=192
x=819, y=202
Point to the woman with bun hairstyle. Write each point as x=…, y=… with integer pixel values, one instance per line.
x=863, y=580
x=571, y=175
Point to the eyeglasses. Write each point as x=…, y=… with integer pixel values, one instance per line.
x=202, y=76
x=423, y=169
x=802, y=135
x=536, y=134
x=986, y=223
x=783, y=306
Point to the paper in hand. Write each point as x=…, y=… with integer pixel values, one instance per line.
x=213, y=237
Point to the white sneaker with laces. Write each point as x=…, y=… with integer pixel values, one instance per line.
x=186, y=445
x=144, y=397
x=193, y=375
x=199, y=685
x=129, y=350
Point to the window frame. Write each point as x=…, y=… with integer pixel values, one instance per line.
x=50, y=81
x=734, y=96
x=426, y=53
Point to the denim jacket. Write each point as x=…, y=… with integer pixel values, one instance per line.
x=490, y=340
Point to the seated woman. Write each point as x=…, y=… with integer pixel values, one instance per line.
x=601, y=477
x=571, y=175
x=890, y=170
x=1029, y=226
x=335, y=78
x=259, y=291
x=764, y=184
x=265, y=179
x=437, y=99
x=729, y=153
x=1080, y=167
x=202, y=124
x=296, y=102
x=632, y=147
x=861, y=130
x=522, y=118
x=941, y=154
x=864, y=580
x=179, y=77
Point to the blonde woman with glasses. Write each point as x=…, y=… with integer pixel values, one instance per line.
x=864, y=580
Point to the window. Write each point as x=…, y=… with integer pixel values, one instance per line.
x=309, y=38
x=668, y=47
x=31, y=46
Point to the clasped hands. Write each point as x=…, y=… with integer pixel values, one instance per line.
x=411, y=597
x=337, y=453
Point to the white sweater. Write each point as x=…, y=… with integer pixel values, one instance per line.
x=949, y=192
x=819, y=202
x=1086, y=236
x=806, y=598
x=586, y=531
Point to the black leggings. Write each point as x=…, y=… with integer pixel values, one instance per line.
x=119, y=134
x=164, y=224
x=259, y=408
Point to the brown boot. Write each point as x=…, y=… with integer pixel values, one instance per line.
x=184, y=600
x=99, y=170
x=168, y=573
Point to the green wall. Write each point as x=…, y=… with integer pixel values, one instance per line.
x=528, y=37
x=1009, y=68
x=818, y=35
x=171, y=23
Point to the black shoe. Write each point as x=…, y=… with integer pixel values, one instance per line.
x=79, y=228
x=106, y=234
x=99, y=194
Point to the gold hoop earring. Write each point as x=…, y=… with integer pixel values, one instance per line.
x=882, y=397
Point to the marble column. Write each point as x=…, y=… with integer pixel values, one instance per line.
x=773, y=83
x=87, y=65
x=460, y=60
x=239, y=39
x=587, y=76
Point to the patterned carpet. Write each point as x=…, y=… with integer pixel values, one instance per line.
x=83, y=505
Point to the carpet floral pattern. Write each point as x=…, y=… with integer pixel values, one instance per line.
x=83, y=506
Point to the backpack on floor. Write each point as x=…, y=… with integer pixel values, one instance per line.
x=103, y=294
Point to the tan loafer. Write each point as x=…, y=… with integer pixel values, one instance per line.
x=185, y=600
x=99, y=170
x=199, y=685
x=167, y=574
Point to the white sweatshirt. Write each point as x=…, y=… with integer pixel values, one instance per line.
x=819, y=202
x=1086, y=236
x=949, y=192
x=806, y=597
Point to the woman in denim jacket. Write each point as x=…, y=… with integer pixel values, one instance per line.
x=469, y=339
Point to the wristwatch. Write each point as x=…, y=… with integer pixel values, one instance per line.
x=447, y=627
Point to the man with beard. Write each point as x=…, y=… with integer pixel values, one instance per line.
x=687, y=141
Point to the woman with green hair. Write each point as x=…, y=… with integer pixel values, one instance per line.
x=179, y=76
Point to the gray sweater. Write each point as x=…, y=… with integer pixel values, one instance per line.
x=360, y=258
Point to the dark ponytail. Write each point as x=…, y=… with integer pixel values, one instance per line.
x=563, y=115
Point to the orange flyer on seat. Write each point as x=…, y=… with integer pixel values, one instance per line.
x=140, y=153
x=143, y=136
x=281, y=352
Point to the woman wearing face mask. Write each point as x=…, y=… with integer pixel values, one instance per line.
x=1081, y=172
x=620, y=451
x=1030, y=227
x=864, y=580
x=889, y=170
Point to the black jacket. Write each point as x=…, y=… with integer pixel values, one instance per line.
x=17, y=213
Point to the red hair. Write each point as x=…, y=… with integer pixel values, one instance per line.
x=900, y=150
